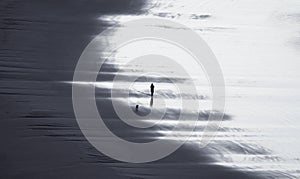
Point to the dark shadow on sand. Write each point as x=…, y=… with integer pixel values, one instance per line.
x=41, y=41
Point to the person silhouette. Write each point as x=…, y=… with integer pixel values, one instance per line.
x=152, y=89
x=136, y=107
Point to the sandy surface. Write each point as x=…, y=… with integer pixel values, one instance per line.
x=40, y=44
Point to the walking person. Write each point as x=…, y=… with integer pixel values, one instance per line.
x=152, y=89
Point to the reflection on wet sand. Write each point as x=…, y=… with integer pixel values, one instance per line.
x=151, y=101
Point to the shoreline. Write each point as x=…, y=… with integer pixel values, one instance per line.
x=42, y=43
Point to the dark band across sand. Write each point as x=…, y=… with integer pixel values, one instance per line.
x=40, y=44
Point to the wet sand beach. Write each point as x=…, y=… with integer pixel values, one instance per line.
x=41, y=42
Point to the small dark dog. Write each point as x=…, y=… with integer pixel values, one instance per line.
x=137, y=107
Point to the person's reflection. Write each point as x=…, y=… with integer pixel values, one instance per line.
x=151, y=101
